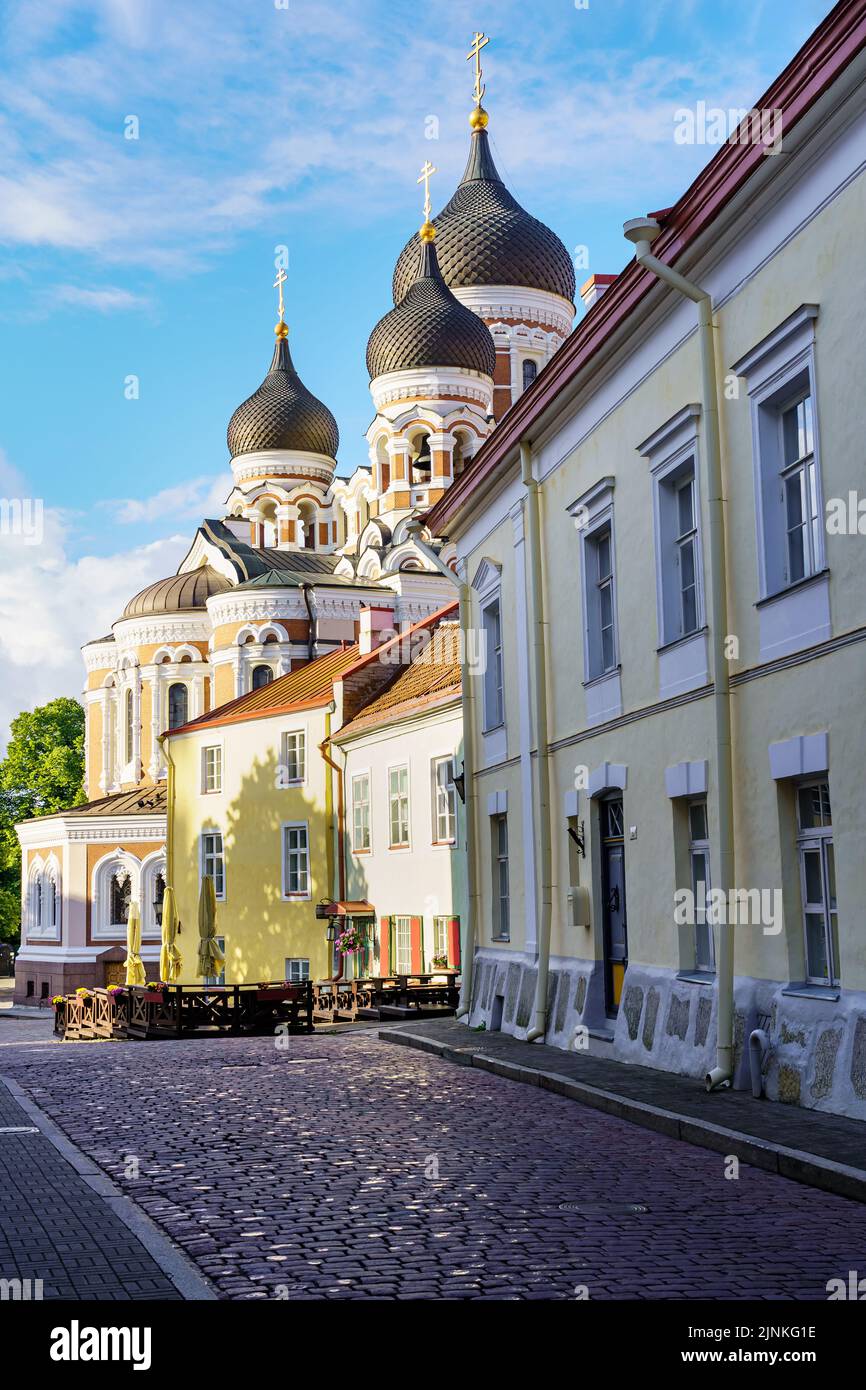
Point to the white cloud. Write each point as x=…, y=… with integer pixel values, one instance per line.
x=107, y=299
x=204, y=496
x=51, y=604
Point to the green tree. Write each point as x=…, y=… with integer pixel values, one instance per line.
x=42, y=772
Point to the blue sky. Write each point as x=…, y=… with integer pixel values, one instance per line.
x=263, y=123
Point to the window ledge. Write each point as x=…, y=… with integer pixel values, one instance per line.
x=697, y=977
x=492, y=728
x=805, y=991
x=605, y=676
x=794, y=588
x=679, y=641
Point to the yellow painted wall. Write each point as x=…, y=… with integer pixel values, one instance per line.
x=261, y=929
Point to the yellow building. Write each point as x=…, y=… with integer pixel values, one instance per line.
x=666, y=797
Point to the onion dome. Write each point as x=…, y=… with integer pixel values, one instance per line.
x=180, y=593
x=484, y=236
x=429, y=327
x=282, y=413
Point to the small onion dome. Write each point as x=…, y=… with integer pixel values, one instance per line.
x=180, y=593
x=283, y=414
x=429, y=327
x=484, y=236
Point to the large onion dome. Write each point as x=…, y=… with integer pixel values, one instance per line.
x=282, y=413
x=429, y=327
x=484, y=236
x=180, y=593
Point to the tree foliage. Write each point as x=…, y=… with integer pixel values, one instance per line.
x=42, y=772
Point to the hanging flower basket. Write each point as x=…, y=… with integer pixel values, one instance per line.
x=350, y=941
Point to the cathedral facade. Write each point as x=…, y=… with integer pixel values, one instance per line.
x=302, y=558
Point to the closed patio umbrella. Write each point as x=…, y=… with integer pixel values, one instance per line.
x=134, y=965
x=169, y=956
x=210, y=958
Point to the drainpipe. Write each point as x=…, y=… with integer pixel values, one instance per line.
x=538, y=696
x=162, y=740
x=341, y=840
x=312, y=627
x=414, y=528
x=642, y=231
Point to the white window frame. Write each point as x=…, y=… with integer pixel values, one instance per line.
x=396, y=938
x=593, y=647
x=216, y=748
x=439, y=936
x=295, y=896
x=701, y=846
x=170, y=683
x=448, y=841
x=285, y=780
x=498, y=858
x=673, y=456
x=208, y=831
x=494, y=667
x=219, y=979
x=302, y=975
x=362, y=775
x=818, y=840
x=41, y=876
x=777, y=370
x=407, y=843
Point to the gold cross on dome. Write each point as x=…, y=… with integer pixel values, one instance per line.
x=281, y=279
x=479, y=42
x=425, y=179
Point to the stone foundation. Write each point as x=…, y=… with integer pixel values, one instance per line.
x=40, y=978
x=817, y=1047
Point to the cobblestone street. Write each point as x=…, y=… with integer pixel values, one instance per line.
x=345, y=1167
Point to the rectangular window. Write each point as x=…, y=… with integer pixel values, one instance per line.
x=398, y=805
x=361, y=812
x=213, y=861
x=297, y=970
x=494, y=703
x=799, y=482
x=219, y=979
x=444, y=802
x=296, y=861
x=600, y=603
x=818, y=883
x=501, y=901
x=699, y=862
x=402, y=945
x=294, y=758
x=677, y=524
x=212, y=769
x=439, y=946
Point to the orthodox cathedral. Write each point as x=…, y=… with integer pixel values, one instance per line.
x=302, y=559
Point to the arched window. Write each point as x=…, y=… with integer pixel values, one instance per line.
x=178, y=705
x=262, y=675
x=120, y=896
x=530, y=371
x=461, y=455
x=383, y=466
x=51, y=903
x=307, y=518
x=422, y=462
x=128, y=719
x=158, y=895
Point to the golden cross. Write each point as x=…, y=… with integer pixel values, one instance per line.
x=478, y=43
x=425, y=179
x=281, y=279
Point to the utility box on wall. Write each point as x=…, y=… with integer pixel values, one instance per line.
x=578, y=906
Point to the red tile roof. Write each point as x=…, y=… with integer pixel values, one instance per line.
x=431, y=680
x=310, y=685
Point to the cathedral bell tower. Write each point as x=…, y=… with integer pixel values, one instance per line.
x=431, y=363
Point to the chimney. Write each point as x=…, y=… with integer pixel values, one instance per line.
x=595, y=288
x=375, y=626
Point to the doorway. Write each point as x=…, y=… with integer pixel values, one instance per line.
x=613, y=900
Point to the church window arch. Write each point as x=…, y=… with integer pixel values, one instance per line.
x=422, y=460
x=115, y=887
x=307, y=518
x=462, y=452
x=178, y=705
x=129, y=723
x=269, y=523
x=383, y=466
x=530, y=371
x=152, y=893
x=262, y=675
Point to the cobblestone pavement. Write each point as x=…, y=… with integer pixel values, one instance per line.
x=344, y=1168
x=55, y=1229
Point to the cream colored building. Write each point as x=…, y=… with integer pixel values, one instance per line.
x=597, y=798
x=405, y=828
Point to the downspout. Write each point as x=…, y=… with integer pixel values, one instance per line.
x=538, y=696
x=642, y=231
x=414, y=528
x=162, y=740
x=312, y=633
x=341, y=844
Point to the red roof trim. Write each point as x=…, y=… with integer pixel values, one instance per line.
x=821, y=60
